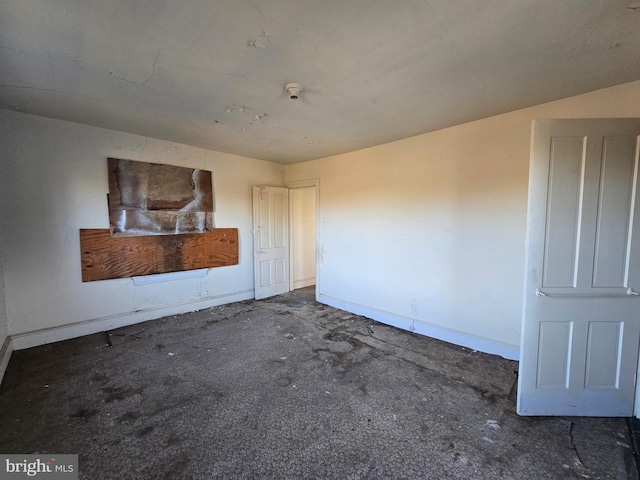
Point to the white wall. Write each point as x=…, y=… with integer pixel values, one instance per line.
x=428, y=233
x=54, y=182
x=303, y=228
x=3, y=307
x=5, y=350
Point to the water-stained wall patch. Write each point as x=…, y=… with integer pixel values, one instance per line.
x=154, y=199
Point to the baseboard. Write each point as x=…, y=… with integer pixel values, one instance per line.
x=5, y=356
x=88, y=327
x=304, y=283
x=424, y=328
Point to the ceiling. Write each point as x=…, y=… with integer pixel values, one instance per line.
x=212, y=73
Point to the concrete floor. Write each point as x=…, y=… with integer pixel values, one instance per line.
x=288, y=388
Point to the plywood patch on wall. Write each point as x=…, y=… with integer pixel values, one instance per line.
x=105, y=257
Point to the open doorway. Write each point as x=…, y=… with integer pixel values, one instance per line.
x=284, y=237
x=303, y=201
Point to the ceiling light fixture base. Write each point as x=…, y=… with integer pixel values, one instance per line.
x=293, y=89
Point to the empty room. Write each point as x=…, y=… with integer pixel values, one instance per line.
x=298, y=239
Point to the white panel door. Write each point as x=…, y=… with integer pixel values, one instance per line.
x=581, y=315
x=270, y=240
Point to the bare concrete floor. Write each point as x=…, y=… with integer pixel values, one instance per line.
x=288, y=388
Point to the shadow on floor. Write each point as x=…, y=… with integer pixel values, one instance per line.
x=290, y=388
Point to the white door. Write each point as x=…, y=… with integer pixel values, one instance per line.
x=581, y=316
x=270, y=240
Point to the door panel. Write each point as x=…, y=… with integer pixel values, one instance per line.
x=264, y=220
x=614, y=212
x=265, y=273
x=581, y=323
x=554, y=357
x=563, y=220
x=271, y=240
x=280, y=217
x=604, y=354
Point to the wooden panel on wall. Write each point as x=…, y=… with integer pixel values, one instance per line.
x=105, y=257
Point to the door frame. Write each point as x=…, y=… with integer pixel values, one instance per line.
x=315, y=183
x=636, y=403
